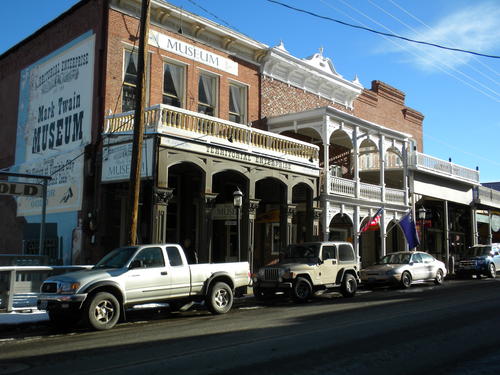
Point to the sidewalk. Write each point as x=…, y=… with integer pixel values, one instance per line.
x=23, y=316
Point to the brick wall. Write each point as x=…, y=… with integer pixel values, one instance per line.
x=381, y=104
x=83, y=17
x=279, y=98
x=122, y=31
x=384, y=105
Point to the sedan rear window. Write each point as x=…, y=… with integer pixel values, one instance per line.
x=398, y=258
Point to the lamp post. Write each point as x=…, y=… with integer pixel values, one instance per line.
x=237, y=202
x=421, y=216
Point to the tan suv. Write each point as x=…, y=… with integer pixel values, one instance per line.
x=309, y=267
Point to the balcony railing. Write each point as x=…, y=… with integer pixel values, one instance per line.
x=431, y=164
x=172, y=120
x=345, y=187
x=487, y=196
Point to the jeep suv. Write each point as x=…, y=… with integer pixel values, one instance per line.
x=310, y=267
x=479, y=260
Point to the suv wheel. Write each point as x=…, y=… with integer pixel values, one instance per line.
x=302, y=289
x=349, y=286
x=492, y=271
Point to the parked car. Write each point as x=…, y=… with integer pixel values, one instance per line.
x=309, y=267
x=137, y=275
x=479, y=260
x=403, y=268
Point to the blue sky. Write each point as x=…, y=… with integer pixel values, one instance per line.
x=459, y=94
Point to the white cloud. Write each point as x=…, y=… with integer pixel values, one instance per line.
x=475, y=28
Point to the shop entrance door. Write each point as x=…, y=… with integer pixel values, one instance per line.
x=231, y=234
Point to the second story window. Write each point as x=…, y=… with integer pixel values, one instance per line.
x=207, y=94
x=237, y=103
x=173, y=84
x=129, y=81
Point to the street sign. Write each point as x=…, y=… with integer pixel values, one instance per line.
x=20, y=189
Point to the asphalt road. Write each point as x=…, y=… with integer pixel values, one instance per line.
x=450, y=329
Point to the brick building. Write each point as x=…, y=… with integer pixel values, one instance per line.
x=314, y=154
x=68, y=93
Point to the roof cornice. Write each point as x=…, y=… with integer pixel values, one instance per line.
x=306, y=74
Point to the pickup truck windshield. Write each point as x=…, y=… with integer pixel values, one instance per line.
x=478, y=251
x=118, y=258
x=302, y=251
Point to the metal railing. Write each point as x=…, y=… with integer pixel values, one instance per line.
x=346, y=187
x=166, y=119
x=441, y=167
x=20, y=285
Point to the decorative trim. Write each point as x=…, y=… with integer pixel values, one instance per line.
x=317, y=213
x=315, y=75
x=162, y=196
x=388, y=92
x=413, y=116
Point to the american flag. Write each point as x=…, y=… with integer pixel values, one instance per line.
x=374, y=221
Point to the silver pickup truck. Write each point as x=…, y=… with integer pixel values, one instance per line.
x=136, y=275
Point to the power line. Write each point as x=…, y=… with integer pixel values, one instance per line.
x=411, y=51
x=213, y=15
x=444, y=63
x=383, y=33
x=430, y=28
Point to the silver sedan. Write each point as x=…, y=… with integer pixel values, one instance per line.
x=403, y=268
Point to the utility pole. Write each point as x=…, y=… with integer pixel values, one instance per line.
x=140, y=102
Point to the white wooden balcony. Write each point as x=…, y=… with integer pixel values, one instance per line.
x=168, y=120
x=487, y=196
x=429, y=164
x=368, y=192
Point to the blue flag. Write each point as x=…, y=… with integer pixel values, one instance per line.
x=410, y=230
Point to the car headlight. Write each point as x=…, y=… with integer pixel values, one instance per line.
x=261, y=272
x=481, y=261
x=68, y=287
x=390, y=272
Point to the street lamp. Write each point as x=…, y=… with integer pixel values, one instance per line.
x=237, y=202
x=421, y=216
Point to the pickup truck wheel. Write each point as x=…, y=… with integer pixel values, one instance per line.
x=302, y=290
x=492, y=271
x=220, y=298
x=102, y=311
x=439, y=277
x=349, y=286
x=405, y=280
